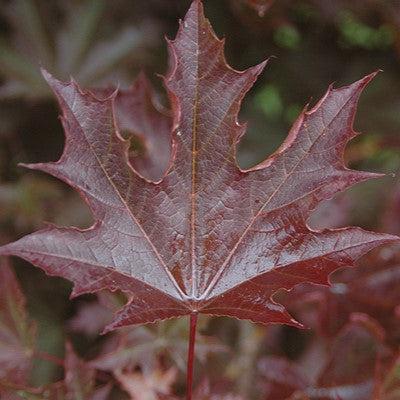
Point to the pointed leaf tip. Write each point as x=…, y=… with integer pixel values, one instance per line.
x=363, y=82
x=50, y=79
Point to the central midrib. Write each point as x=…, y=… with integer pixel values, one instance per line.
x=193, y=186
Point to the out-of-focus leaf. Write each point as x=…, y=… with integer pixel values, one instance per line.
x=217, y=391
x=356, y=33
x=390, y=387
x=371, y=289
x=354, y=355
x=391, y=213
x=26, y=18
x=77, y=36
x=17, y=66
x=92, y=317
x=17, y=333
x=347, y=375
x=142, y=346
x=261, y=6
x=96, y=65
x=145, y=124
x=141, y=118
x=26, y=202
x=280, y=378
x=78, y=384
x=79, y=378
x=287, y=36
x=270, y=101
x=149, y=386
x=333, y=213
x=73, y=46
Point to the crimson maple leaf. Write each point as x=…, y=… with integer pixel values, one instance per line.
x=209, y=237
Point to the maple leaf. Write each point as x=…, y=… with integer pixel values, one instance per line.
x=142, y=346
x=78, y=383
x=147, y=386
x=79, y=379
x=146, y=124
x=353, y=360
x=347, y=374
x=17, y=333
x=209, y=237
x=280, y=378
x=140, y=117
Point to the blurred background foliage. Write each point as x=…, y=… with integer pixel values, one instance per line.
x=101, y=44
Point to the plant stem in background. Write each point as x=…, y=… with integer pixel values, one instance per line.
x=190, y=362
x=49, y=357
x=250, y=339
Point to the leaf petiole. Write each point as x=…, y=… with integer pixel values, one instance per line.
x=190, y=360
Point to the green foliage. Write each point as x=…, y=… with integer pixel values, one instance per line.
x=269, y=100
x=357, y=34
x=74, y=45
x=287, y=36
